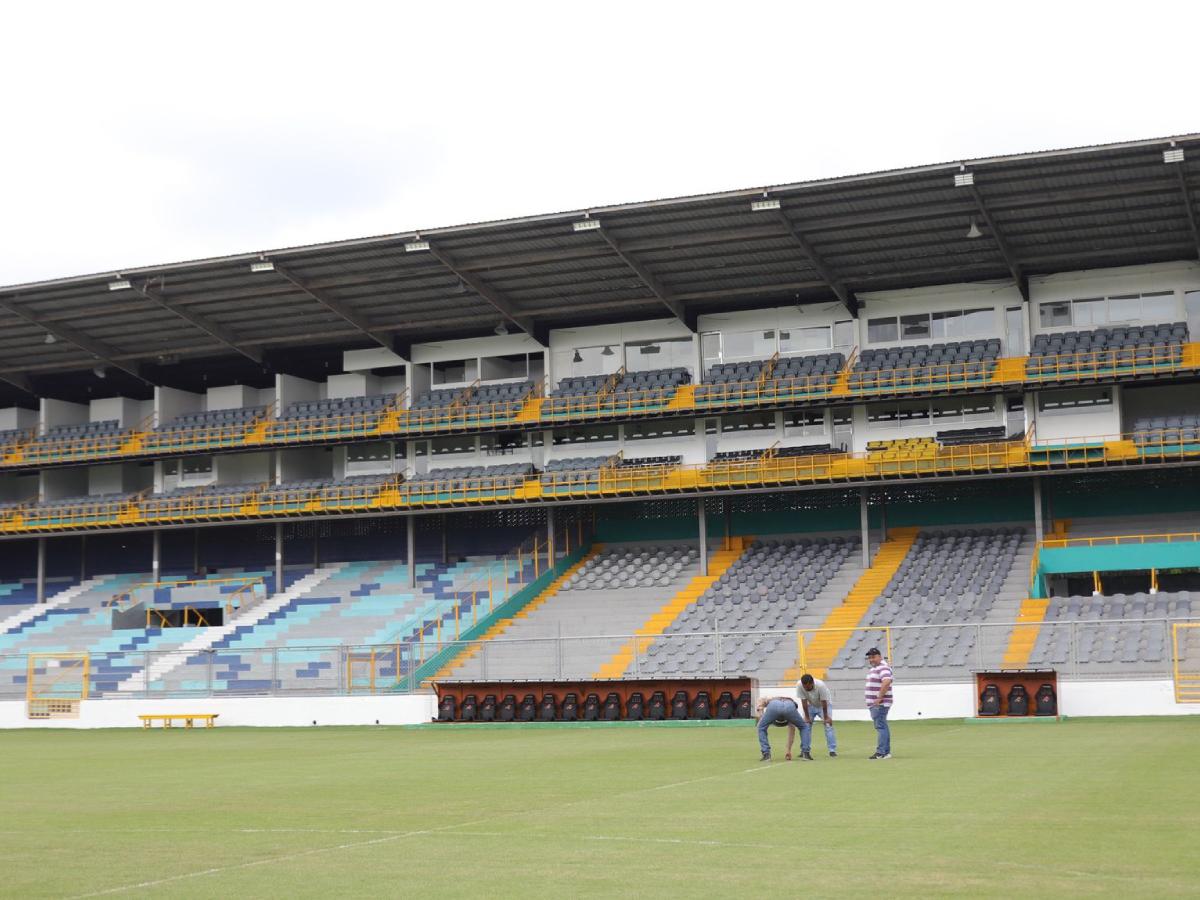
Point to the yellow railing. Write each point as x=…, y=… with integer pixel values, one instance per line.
x=235, y=599
x=1185, y=666
x=394, y=420
x=1173, y=538
x=608, y=481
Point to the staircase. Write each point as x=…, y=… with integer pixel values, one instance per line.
x=531, y=411
x=718, y=564
x=62, y=598
x=502, y=625
x=1025, y=633
x=838, y=625
x=1007, y=607
x=139, y=681
x=685, y=397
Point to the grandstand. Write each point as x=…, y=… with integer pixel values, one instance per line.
x=732, y=436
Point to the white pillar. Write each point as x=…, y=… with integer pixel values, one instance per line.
x=278, y=557
x=412, y=551
x=1039, y=532
x=41, y=570
x=702, y=519
x=864, y=521
x=155, y=555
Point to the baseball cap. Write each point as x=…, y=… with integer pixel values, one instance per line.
x=874, y=651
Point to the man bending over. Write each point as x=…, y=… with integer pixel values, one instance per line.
x=779, y=711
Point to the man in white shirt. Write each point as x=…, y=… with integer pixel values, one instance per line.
x=815, y=700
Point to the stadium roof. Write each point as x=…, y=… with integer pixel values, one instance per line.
x=827, y=240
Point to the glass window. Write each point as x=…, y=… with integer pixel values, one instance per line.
x=1124, y=309
x=800, y=339
x=947, y=324
x=170, y=467
x=710, y=348
x=586, y=434
x=1055, y=313
x=1088, y=312
x=844, y=334
x=737, y=345
x=502, y=443
x=197, y=465
x=747, y=422
x=882, y=412
x=976, y=409
x=459, y=443
x=913, y=412
x=659, y=428
x=914, y=327
x=1078, y=399
x=454, y=371
x=979, y=321
x=885, y=329
x=372, y=452
x=947, y=410
x=804, y=422
x=1159, y=307
x=665, y=354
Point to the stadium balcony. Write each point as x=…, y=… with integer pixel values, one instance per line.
x=313, y=420
x=210, y=430
x=623, y=393
x=67, y=442
x=465, y=484
x=1155, y=434
x=1131, y=351
x=924, y=368
x=769, y=381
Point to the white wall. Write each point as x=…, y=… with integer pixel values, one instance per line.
x=170, y=403
x=60, y=412
x=290, y=389
x=233, y=396
x=59, y=483
x=391, y=709
x=370, y=358
x=1172, y=276
x=243, y=468
x=356, y=385
x=18, y=417
x=1057, y=425
x=994, y=295
x=563, y=342
x=468, y=348
x=306, y=462
x=123, y=409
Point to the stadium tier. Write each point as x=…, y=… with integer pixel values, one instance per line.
x=706, y=452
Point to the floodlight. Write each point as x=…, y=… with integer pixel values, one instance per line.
x=121, y=284
x=964, y=179
x=1173, y=155
x=586, y=225
x=263, y=265
x=763, y=205
x=414, y=246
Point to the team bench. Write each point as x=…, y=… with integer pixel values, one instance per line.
x=209, y=719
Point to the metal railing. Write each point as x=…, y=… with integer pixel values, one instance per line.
x=951, y=652
x=250, y=588
x=1117, y=540
x=608, y=481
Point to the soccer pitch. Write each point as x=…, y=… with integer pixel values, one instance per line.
x=1098, y=806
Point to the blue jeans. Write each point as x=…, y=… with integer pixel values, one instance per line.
x=879, y=716
x=780, y=709
x=806, y=735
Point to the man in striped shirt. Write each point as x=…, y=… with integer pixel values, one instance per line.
x=879, y=701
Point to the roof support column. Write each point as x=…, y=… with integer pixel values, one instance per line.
x=1039, y=529
x=702, y=521
x=156, y=556
x=41, y=570
x=411, y=550
x=278, y=557
x=865, y=525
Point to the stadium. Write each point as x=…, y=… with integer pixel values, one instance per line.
x=525, y=516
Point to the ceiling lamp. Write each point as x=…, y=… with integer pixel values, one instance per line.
x=99, y=372
x=974, y=232
x=577, y=358
x=607, y=351
x=49, y=339
x=501, y=329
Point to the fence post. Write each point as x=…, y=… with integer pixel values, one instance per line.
x=717, y=641
x=211, y=685
x=979, y=647
x=637, y=665
x=146, y=686
x=274, y=670
x=483, y=661
x=560, y=651
x=1074, y=651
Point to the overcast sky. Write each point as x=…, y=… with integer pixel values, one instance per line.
x=148, y=133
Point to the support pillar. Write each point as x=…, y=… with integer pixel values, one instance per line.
x=445, y=552
x=1039, y=530
x=196, y=550
x=278, y=557
x=412, y=551
x=83, y=557
x=882, y=522
x=41, y=570
x=865, y=522
x=702, y=518
x=316, y=546
x=727, y=512
x=549, y=538
x=156, y=555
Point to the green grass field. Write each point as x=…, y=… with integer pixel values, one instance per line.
x=1037, y=809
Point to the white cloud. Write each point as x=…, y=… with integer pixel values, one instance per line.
x=140, y=133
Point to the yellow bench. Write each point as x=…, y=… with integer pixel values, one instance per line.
x=209, y=719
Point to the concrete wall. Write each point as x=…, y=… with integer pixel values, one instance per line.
x=356, y=385
x=1174, y=276
x=170, y=403
x=244, y=468
x=306, y=462
x=398, y=709
x=233, y=396
x=15, y=417
x=60, y=412
x=123, y=409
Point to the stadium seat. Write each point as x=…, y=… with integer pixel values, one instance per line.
x=725, y=706
x=679, y=705
x=1018, y=701
x=1046, y=701
x=527, y=711
x=634, y=708
x=656, y=709
x=508, y=709
x=591, y=708
x=612, y=707
x=570, y=708
x=470, y=708
x=701, y=707
x=548, y=708
x=446, y=709
x=487, y=709
x=989, y=700
x=745, y=706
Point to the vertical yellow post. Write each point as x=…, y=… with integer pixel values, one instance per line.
x=439, y=631
x=457, y=607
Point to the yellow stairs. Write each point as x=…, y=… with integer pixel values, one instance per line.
x=685, y=397
x=1025, y=633
x=1009, y=369
x=841, y=385
x=502, y=625
x=257, y=433
x=531, y=411
x=835, y=631
x=718, y=564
